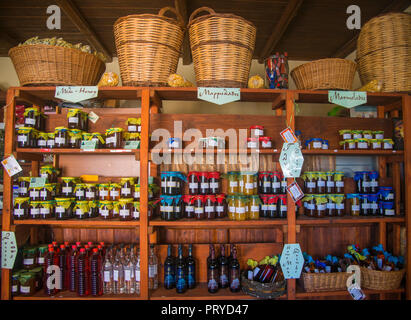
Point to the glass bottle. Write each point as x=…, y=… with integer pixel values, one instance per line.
x=181, y=269
x=152, y=269
x=95, y=273
x=234, y=273
x=169, y=269
x=72, y=268
x=191, y=268
x=62, y=263
x=223, y=267
x=137, y=272
x=50, y=260
x=108, y=274
x=129, y=281
x=118, y=274
x=212, y=272
x=83, y=273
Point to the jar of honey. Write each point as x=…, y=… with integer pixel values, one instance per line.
x=363, y=181
x=50, y=141
x=136, y=192
x=114, y=138
x=345, y=134
x=233, y=183
x=209, y=206
x=362, y=144
x=241, y=208
x=25, y=137
x=310, y=182
x=74, y=120
x=114, y=191
x=50, y=173
x=339, y=181
x=321, y=182
x=34, y=193
x=349, y=144
x=135, y=215
x=375, y=144
x=387, y=144
x=105, y=209
x=329, y=184
x=378, y=135
x=29, y=257
x=355, y=207
x=64, y=208
x=24, y=184
x=309, y=205
x=220, y=206
x=75, y=137
x=80, y=191
x=47, y=209
x=133, y=124
x=67, y=187
x=100, y=142
x=93, y=205
x=61, y=137
x=320, y=205
x=314, y=143
x=231, y=206
x=42, y=139
x=126, y=187
x=104, y=192
x=32, y=117
x=81, y=209
x=356, y=134
x=330, y=206
x=90, y=191
x=21, y=208
x=339, y=200
x=125, y=209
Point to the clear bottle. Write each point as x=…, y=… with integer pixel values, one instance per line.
x=129, y=287
x=108, y=274
x=137, y=272
x=152, y=269
x=118, y=273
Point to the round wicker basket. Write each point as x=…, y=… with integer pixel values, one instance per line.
x=381, y=280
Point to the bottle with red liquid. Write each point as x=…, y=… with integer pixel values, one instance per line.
x=63, y=265
x=72, y=261
x=96, y=273
x=51, y=279
x=55, y=247
x=83, y=273
x=103, y=248
x=78, y=244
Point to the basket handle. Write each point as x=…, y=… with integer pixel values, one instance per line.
x=165, y=9
x=195, y=12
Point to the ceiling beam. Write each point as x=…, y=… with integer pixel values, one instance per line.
x=288, y=14
x=181, y=7
x=351, y=45
x=81, y=23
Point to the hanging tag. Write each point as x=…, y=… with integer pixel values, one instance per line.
x=37, y=182
x=291, y=160
x=8, y=249
x=291, y=261
x=354, y=283
x=93, y=117
x=295, y=191
x=288, y=135
x=11, y=165
x=356, y=292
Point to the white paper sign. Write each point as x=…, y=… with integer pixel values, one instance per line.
x=11, y=165
x=76, y=93
x=8, y=249
x=291, y=160
x=218, y=95
x=292, y=261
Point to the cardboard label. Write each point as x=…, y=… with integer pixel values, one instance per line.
x=295, y=191
x=218, y=95
x=347, y=99
x=292, y=261
x=76, y=93
x=93, y=117
x=8, y=249
x=37, y=182
x=89, y=145
x=11, y=165
x=288, y=135
x=132, y=145
x=291, y=160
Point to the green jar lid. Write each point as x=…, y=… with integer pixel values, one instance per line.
x=42, y=249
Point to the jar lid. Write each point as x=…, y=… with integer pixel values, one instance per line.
x=344, y=131
x=20, y=200
x=252, y=139
x=62, y=129
x=114, y=130
x=378, y=132
x=125, y=200
x=265, y=138
x=26, y=179
x=257, y=127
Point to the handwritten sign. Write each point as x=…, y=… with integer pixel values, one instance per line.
x=347, y=99
x=288, y=135
x=76, y=94
x=292, y=261
x=132, y=145
x=37, y=182
x=8, y=249
x=11, y=165
x=291, y=160
x=89, y=145
x=218, y=95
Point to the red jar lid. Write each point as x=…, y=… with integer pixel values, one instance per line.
x=199, y=197
x=202, y=174
x=257, y=127
x=265, y=139
x=252, y=139
x=215, y=175
x=188, y=199
x=210, y=197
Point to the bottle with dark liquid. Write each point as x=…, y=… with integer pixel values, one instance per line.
x=223, y=264
x=96, y=279
x=83, y=273
x=169, y=270
x=62, y=263
x=191, y=268
x=212, y=273
x=234, y=273
x=72, y=268
x=181, y=279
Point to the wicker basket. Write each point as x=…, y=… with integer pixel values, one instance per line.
x=384, y=51
x=316, y=282
x=44, y=65
x=262, y=290
x=222, y=46
x=381, y=280
x=330, y=73
x=148, y=47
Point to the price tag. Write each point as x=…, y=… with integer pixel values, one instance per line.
x=8, y=249
x=291, y=160
x=88, y=145
x=37, y=182
x=354, y=283
x=11, y=165
x=93, y=117
x=292, y=261
x=132, y=145
x=288, y=135
x=76, y=93
x=295, y=191
x=218, y=95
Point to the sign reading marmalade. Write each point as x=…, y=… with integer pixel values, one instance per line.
x=348, y=99
x=218, y=95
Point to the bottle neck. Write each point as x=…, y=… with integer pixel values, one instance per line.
x=222, y=250
x=169, y=251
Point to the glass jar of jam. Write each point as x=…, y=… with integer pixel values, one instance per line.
x=193, y=183
x=34, y=193
x=133, y=124
x=339, y=200
x=167, y=208
x=81, y=209
x=339, y=182
x=25, y=137
x=27, y=284
x=21, y=208
x=136, y=192
x=32, y=117
x=321, y=182
x=356, y=134
x=209, y=206
x=378, y=135
x=67, y=187
x=264, y=182
x=61, y=137
x=345, y=134
x=254, y=207
x=362, y=144
x=90, y=190
x=375, y=144
x=373, y=204
x=349, y=144
x=114, y=138
x=386, y=193
x=309, y=205
x=314, y=143
x=64, y=208
x=310, y=182
x=105, y=209
x=114, y=189
x=387, y=144
x=282, y=206
x=248, y=183
x=264, y=206
x=214, y=182
x=241, y=208
x=75, y=137
x=47, y=192
x=220, y=206
x=41, y=255
x=363, y=182
x=231, y=206
x=266, y=142
x=103, y=192
x=125, y=208
x=367, y=134
x=387, y=208
x=373, y=177
x=74, y=120
x=354, y=199
x=188, y=201
x=329, y=183
x=256, y=131
x=172, y=182
x=96, y=136
x=233, y=183
x=126, y=187
x=272, y=206
x=50, y=173
x=47, y=209
x=135, y=214
x=24, y=184
x=178, y=207
x=29, y=257
x=330, y=206
x=42, y=139
x=199, y=203
x=204, y=184
x=320, y=205
x=253, y=143
x=93, y=212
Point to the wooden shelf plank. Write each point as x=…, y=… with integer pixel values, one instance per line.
x=86, y=223
x=25, y=153
x=68, y=295
x=301, y=294
x=225, y=223
x=348, y=220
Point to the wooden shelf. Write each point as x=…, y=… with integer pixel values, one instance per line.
x=68, y=295
x=348, y=220
x=301, y=294
x=76, y=151
x=221, y=223
x=75, y=223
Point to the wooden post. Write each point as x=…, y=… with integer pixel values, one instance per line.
x=144, y=146
x=291, y=219
x=406, y=109
x=396, y=172
x=8, y=186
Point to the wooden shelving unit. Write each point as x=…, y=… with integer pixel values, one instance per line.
x=259, y=236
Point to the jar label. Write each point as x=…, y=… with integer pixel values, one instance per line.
x=252, y=144
x=241, y=183
x=42, y=143
x=276, y=185
x=163, y=184
x=111, y=140
x=115, y=275
x=125, y=191
x=34, y=193
x=330, y=184
x=60, y=210
x=339, y=206
x=80, y=193
x=107, y=276
x=283, y=184
x=199, y=210
x=266, y=144
x=346, y=136
x=374, y=206
x=320, y=207
x=387, y=145
x=272, y=207
x=189, y=208
x=114, y=193
x=124, y=213
x=283, y=208
x=255, y=185
x=23, y=190
x=90, y=194
x=233, y=184
x=214, y=185
x=171, y=184
x=127, y=275
x=136, y=214
x=25, y=289
x=219, y=208
x=174, y=144
x=193, y=185
x=231, y=209
x=249, y=186
x=79, y=212
x=14, y=288
x=255, y=208
x=205, y=185
x=28, y=262
x=267, y=184
x=310, y=206
x=362, y=145
x=325, y=146
x=137, y=275
x=152, y=271
x=40, y=260
x=59, y=140
x=317, y=145
x=103, y=193
x=374, y=183
x=166, y=208
x=67, y=189
x=209, y=209
x=137, y=195
x=355, y=208
x=264, y=207
x=379, y=136
x=376, y=145
x=357, y=136
x=18, y=212
x=389, y=212
x=339, y=184
x=104, y=212
x=310, y=185
x=44, y=211
x=50, y=143
x=351, y=145
x=132, y=128
x=73, y=120
x=320, y=183
x=367, y=136
x=22, y=138
x=330, y=205
x=366, y=184
x=30, y=121
x=34, y=211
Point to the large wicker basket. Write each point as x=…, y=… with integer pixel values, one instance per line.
x=316, y=282
x=148, y=47
x=330, y=73
x=43, y=65
x=222, y=46
x=262, y=290
x=384, y=51
x=381, y=280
